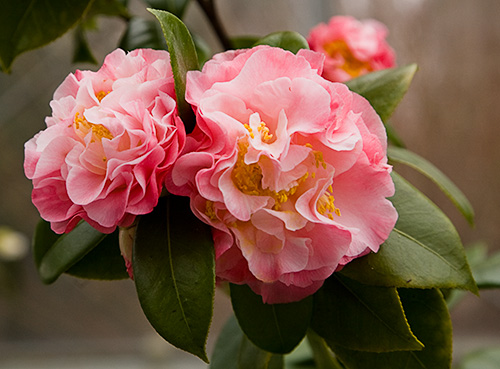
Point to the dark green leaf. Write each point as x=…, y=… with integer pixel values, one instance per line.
x=107, y=7
x=66, y=251
x=142, y=33
x=105, y=262
x=406, y=157
x=423, y=251
x=227, y=347
x=275, y=328
x=244, y=42
x=29, y=24
x=182, y=57
x=361, y=317
x=429, y=319
x=323, y=356
x=252, y=357
x=176, y=7
x=482, y=359
x=288, y=40
x=43, y=240
x=384, y=89
x=82, y=52
x=174, y=274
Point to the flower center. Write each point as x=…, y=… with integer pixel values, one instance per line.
x=326, y=206
x=352, y=65
x=98, y=130
x=100, y=95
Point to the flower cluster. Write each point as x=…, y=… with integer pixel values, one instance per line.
x=288, y=168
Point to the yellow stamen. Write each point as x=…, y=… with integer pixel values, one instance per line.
x=210, y=210
x=326, y=204
x=100, y=95
x=352, y=65
x=98, y=130
x=265, y=136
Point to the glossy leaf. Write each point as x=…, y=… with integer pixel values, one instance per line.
x=174, y=274
x=182, y=57
x=29, y=24
x=488, y=358
x=244, y=42
x=104, y=262
x=176, y=7
x=276, y=328
x=227, y=347
x=384, y=89
x=143, y=33
x=82, y=52
x=252, y=357
x=66, y=251
x=406, y=157
x=361, y=317
x=423, y=251
x=288, y=40
x=323, y=356
x=43, y=239
x=428, y=316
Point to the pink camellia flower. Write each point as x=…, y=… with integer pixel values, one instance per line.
x=112, y=136
x=352, y=48
x=288, y=168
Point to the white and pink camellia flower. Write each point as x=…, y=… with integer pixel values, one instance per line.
x=352, y=48
x=112, y=136
x=288, y=168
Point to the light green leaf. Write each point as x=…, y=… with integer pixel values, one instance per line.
x=67, y=250
x=429, y=319
x=361, y=317
x=176, y=7
x=288, y=40
x=488, y=358
x=104, y=262
x=29, y=24
x=423, y=251
x=406, y=157
x=276, y=328
x=142, y=33
x=487, y=272
x=182, y=57
x=174, y=274
x=384, y=89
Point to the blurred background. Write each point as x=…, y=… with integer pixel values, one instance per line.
x=451, y=116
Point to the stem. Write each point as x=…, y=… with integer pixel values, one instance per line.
x=208, y=7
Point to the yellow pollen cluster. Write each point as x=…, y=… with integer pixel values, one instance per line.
x=98, y=130
x=264, y=132
x=248, y=179
x=100, y=95
x=352, y=65
x=249, y=129
x=326, y=204
x=209, y=210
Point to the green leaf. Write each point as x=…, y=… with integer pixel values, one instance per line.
x=288, y=40
x=276, y=328
x=82, y=52
x=29, y=24
x=487, y=272
x=176, y=7
x=392, y=136
x=43, y=239
x=108, y=8
x=488, y=358
x=323, y=356
x=182, y=57
x=406, y=157
x=423, y=251
x=105, y=262
x=429, y=319
x=174, y=273
x=142, y=33
x=252, y=357
x=66, y=251
x=244, y=42
x=384, y=89
x=361, y=317
x=227, y=347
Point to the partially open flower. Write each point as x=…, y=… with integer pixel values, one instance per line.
x=108, y=144
x=352, y=48
x=288, y=168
